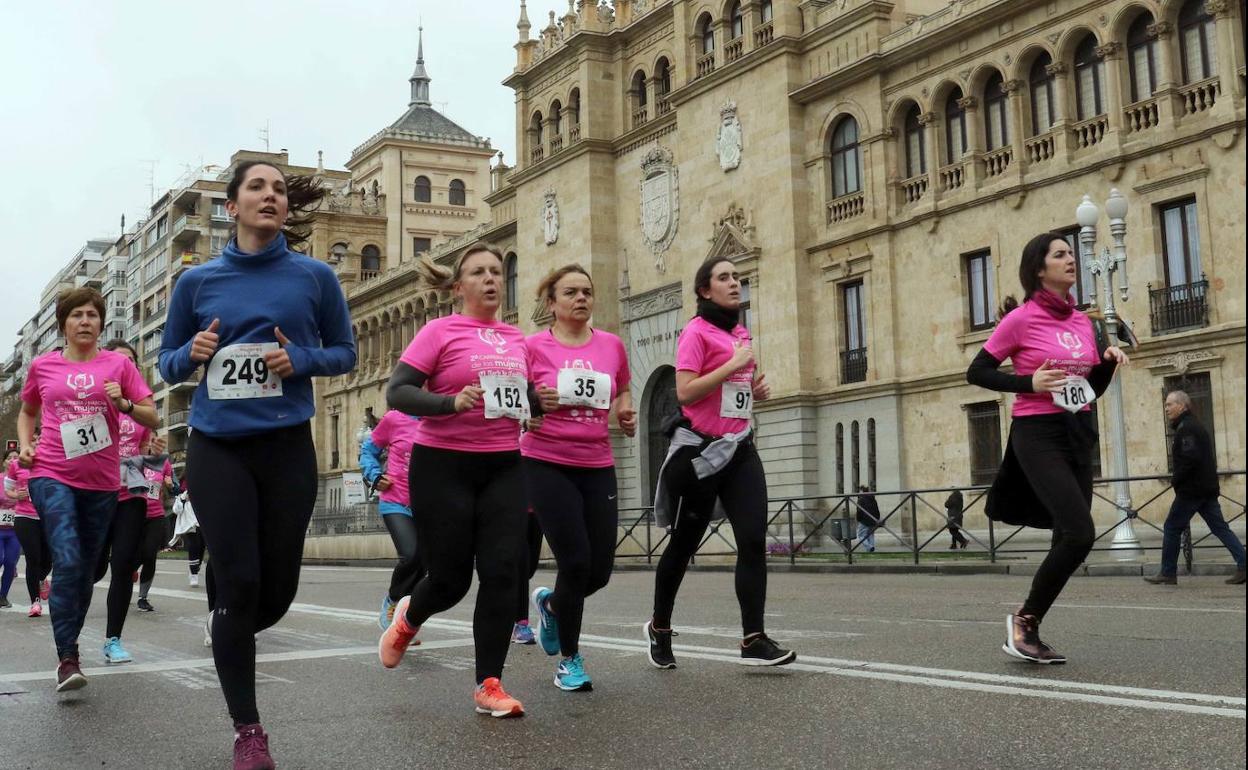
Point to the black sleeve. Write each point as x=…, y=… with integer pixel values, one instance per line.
x=1101, y=375
x=1186, y=453
x=985, y=371
x=406, y=393
x=535, y=403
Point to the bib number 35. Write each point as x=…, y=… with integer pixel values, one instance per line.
x=584, y=387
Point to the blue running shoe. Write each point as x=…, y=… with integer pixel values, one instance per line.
x=571, y=676
x=387, y=612
x=114, y=652
x=548, y=627
x=522, y=634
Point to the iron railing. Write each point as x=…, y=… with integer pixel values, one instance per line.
x=853, y=365
x=1175, y=308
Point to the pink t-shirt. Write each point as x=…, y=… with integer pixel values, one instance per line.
x=575, y=435
x=396, y=432
x=131, y=437
x=156, y=486
x=20, y=476
x=1029, y=335
x=71, y=391
x=704, y=347
x=457, y=351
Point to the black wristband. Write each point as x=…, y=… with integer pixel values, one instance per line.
x=127, y=411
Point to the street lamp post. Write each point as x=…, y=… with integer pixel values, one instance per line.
x=1087, y=214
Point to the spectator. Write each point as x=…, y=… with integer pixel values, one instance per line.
x=1195, y=483
x=868, y=518
x=953, y=512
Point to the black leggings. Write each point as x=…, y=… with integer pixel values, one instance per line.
x=154, y=537
x=530, y=555
x=742, y=489
x=470, y=506
x=127, y=540
x=35, y=548
x=1058, y=467
x=579, y=514
x=194, y=550
x=253, y=498
x=410, y=568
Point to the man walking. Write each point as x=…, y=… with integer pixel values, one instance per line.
x=868, y=519
x=1196, y=490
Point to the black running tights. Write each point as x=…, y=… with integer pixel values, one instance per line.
x=409, y=569
x=530, y=555
x=35, y=548
x=129, y=528
x=468, y=506
x=253, y=498
x=194, y=550
x=742, y=489
x=579, y=515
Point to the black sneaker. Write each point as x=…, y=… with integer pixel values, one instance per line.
x=145, y=606
x=660, y=651
x=69, y=675
x=762, y=651
x=1161, y=580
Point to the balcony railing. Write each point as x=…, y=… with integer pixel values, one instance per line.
x=1041, y=148
x=1141, y=116
x=1176, y=308
x=952, y=176
x=556, y=144
x=640, y=116
x=764, y=35
x=190, y=383
x=184, y=230
x=997, y=161
x=368, y=275
x=574, y=133
x=1090, y=132
x=662, y=105
x=914, y=188
x=853, y=365
x=1200, y=96
x=178, y=418
x=846, y=207
x=537, y=155
x=706, y=64
x=733, y=49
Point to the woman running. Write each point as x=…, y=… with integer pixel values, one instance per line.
x=712, y=464
x=394, y=435
x=10, y=548
x=186, y=526
x=157, y=473
x=79, y=394
x=263, y=321
x=29, y=534
x=1046, y=477
x=530, y=557
x=466, y=374
x=569, y=469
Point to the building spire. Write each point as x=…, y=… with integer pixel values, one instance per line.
x=523, y=25
x=420, y=78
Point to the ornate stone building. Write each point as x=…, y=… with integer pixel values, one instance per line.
x=874, y=169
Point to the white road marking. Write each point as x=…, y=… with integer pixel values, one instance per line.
x=1138, y=607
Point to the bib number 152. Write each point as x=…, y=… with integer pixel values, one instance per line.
x=505, y=396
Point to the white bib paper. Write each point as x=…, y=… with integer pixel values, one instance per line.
x=506, y=395
x=153, y=490
x=6, y=517
x=1075, y=394
x=239, y=371
x=85, y=435
x=736, y=400
x=585, y=387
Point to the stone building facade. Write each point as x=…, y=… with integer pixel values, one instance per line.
x=874, y=169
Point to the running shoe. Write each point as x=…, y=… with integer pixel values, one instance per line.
x=387, y=612
x=194, y=581
x=490, y=698
x=522, y=634
x=1022, y=640
x=398, y=637
x=36, y=609
x=208, y=630
x=1161, y=580
x=570, y=675
x=1237, y=579
x=762, y=651
x=69, y=674
x=547, y=626
x=4, y=602
x=660, y=649
x=251, y=748
x=44, y=589
x=144, y=605
x=114, y=652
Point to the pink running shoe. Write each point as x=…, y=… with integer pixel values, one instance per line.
x=251, y=748
x=490, y=698
x=36, y=609
x=45, y=588
x=398, y=637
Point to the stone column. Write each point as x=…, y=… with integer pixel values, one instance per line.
x=1230, y=53
x=1061, y=107
x=973, y=157
x=1111, y=55
x=1016, y=126
x=1166, y=92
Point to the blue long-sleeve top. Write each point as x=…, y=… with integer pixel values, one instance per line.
x=252, y=293
x=370, y=461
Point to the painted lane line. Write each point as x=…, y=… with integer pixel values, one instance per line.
x=1137, y=607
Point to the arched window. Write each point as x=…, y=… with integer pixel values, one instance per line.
x=955, y=128
x=663, y=76
x=871, y=453
x=706, y=33
x=456, y=195
x=556, y=118
x=370, y=258
x=1196, y=41
x=736, y=21
x=1141, y=54
x=916, y=152
x=840, y=458
x=855, y=457
x=1041, y=87
x=996, y=114
x=337, y=252
x=511, y=280
x=1089, y=80
x=574, y=106
x=422, y=189
x=638, y=89
x=536, y=128
x=846, y=164
x=765, y=12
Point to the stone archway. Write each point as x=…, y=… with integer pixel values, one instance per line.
x=660, y=401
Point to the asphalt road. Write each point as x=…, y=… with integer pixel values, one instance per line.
x=893, y=671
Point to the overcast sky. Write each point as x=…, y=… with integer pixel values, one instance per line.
x=92, y=91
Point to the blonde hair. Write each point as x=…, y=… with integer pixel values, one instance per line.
x=546, y=289
x=442, y=277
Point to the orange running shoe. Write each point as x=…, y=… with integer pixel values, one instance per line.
x=493, y=700
x=396, y=639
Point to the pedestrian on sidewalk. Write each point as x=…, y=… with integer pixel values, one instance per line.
x=1196, y=490
x=953, y=512
x=868, y=518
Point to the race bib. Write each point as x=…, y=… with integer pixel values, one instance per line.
x=239, y=371
x=506, y=395
x=585, y=387
x=736, y=400
x=6, y=517
x=1075, y=394
x=85, y=436
x=153, y=490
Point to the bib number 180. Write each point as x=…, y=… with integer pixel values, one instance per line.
x=1075, y=395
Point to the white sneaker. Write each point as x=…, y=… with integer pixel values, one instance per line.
x=194, y=580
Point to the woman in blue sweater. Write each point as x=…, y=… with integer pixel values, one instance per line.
x=262, y=320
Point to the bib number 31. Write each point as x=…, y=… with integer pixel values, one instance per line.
x=239, y=371
x=506, y=395
x=1076, y=394
x=85, y=436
